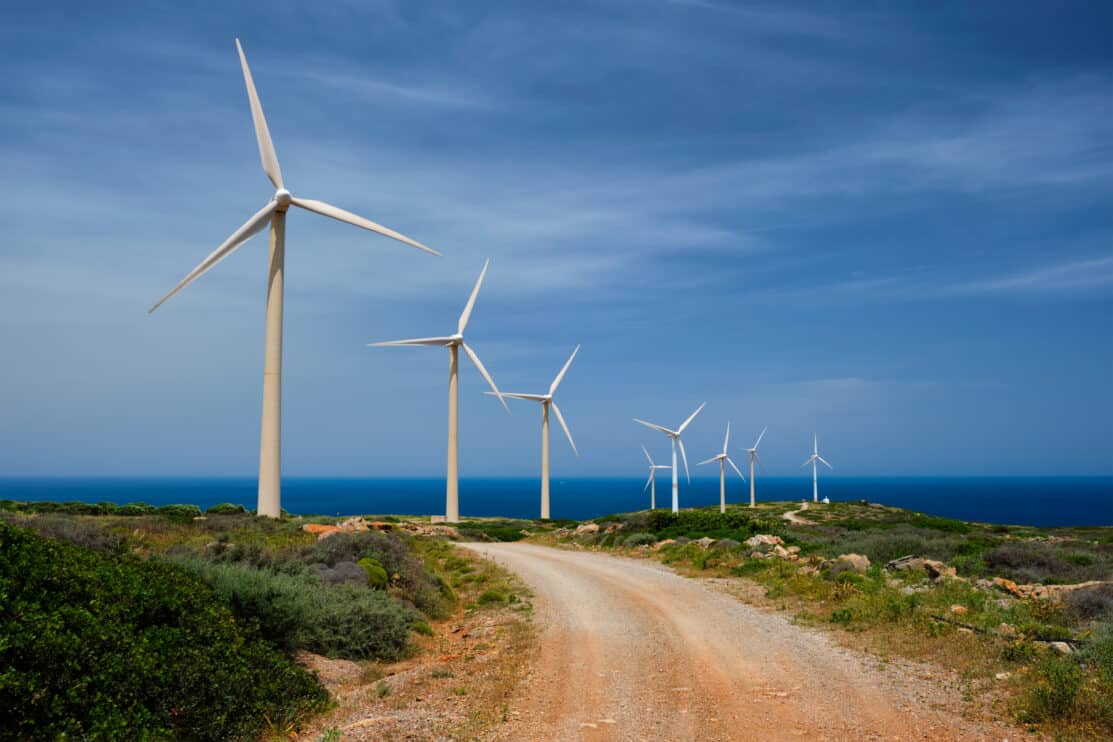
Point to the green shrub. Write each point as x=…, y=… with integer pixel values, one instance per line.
x=640, y=539
x=491, y=597
x=842, y=615
x=423, y=628
x=179, y=512
x=95, y=646
x=296, y=612
x=375, y=572
x=226, y=508
x=1054, y=695
x=135, y=508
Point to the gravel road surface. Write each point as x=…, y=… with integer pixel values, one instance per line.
x=630, y=650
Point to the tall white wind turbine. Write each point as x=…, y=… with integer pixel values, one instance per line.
x=674, y=435
x=815, y=459
x=723, y=460
x=454, y=343
x=651, y=483
x=274, y=214
x=547, y=401
x=754, y=459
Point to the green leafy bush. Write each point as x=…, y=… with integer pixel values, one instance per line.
x=108, y=647
x=295, y=611
x=376, y=575
x=226, y=508
x=640, y=539
x=1054, y=695
x=181, y=512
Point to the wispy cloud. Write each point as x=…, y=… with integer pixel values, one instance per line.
x=1079, y=275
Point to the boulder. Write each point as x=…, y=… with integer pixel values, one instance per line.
x=959, y=610
x=662, y=544
x=614, y=527
x=705, y=542
x=934, y=569
x=793, y=550
x=1007, y=585
x=353, y=525
x=587, y=528
x=859, y=563
x=1060, y=647
x=764, y=539
x=1007, y=629
x=322, y=530
x=780, y=552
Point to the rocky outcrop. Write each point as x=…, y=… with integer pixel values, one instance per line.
x=859, y=563
x=933, y=569
x=587, y=528
x=764, y=539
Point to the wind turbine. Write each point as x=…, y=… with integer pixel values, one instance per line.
x=651, y=483
x=753, y=459
x=454, y=343
x=274, y=214
x=813, y=459
x=546, y=401
x=674, y=435
x=723, y=460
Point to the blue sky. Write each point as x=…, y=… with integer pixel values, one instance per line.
x=888, y=222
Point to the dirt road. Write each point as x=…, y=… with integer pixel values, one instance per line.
x=631, y=651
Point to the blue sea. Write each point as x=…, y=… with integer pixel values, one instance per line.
x=1035, y=501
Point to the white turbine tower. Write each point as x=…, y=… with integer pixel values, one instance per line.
x=813, y=460
x=454, y=343
x=674, y=435
x=651, y=483
x=723, y=460
x=546, y=401
x=274, y=214
x=754, y=459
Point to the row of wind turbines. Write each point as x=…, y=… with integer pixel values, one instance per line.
x=273, y=215
x=723, y=459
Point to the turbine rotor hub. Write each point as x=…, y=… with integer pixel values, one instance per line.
x=283, y=197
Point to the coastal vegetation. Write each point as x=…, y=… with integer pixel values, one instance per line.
x=170, y=623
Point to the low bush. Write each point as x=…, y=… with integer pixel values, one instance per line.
x=640, y=539
x=77, y=531
x=1090, y=603
x=376, y=575
x=343, y=573
x=295, y=611
x=1054, y=694
x=108, y=647
x=226, y=508
x=180, y=512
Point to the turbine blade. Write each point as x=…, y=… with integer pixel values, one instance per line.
x=516, y=395
x=248, y=230
x=684, y=456
x=466, y=314
x=647, y=456
x=320, y=207
x=647, y=482
x=690, y=418
x=262, y=133
x=758, y=460
x=661, y=466
x=727, y=439
x=483, y=371
x=824, y=462
x=414, y=341
x=713, y=458
x=736, y=469
x=758, y=441
x=666, y=431
x=815, y=444
x=560, y=376
x=567, y=432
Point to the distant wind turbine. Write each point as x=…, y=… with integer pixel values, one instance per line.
x=547, y=401
x=753, y=459
x=813, y=459
x=454, y=343
x=674, y=435
x=274, y=214
x=723, y=460
x=651, y=483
